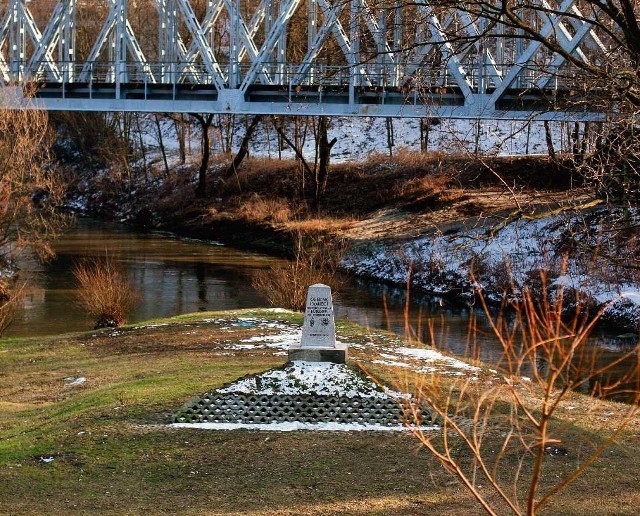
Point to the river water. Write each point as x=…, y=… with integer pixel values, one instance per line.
x=175, y=276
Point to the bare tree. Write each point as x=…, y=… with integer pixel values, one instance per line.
x=30, y=187
x=205, y=122
x=589, y=49
x=318, y=171
x=243, y=151
x=30, y=191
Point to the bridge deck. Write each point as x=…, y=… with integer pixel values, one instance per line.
x=435, y=102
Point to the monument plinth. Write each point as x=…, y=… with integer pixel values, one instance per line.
x=318, y=343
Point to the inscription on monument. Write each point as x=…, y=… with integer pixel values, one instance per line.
x=318, y=343
x=318, y=329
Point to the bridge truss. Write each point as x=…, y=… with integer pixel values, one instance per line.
x=293, y=57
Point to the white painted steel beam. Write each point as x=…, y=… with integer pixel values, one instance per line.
x=260, y=64
x=526, y=56
x=241, y=107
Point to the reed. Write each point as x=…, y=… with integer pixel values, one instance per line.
x=104, y=291
x=315, y=261
x=504, y=438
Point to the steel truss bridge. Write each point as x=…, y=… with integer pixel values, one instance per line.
x=291, y=57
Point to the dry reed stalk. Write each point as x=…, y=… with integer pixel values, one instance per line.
x=285, y=285
x=496, y=436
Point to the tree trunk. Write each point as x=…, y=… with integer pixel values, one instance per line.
x=244, y=147
x=549, y=139
x=205, y=124
x=180, y=134
x=425, y=126
x=390, y=135
x=162, y=149
x=143, y=149
x=324, y=157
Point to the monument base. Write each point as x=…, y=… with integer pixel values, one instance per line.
x=337, y=355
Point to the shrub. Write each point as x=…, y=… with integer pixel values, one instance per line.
x=10, y=295
x=285, y=285
x=498, y=436
x=104, y=291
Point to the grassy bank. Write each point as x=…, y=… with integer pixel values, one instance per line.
x=268, y=201
x=103, y=444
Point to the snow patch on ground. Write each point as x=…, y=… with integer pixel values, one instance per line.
x=439, y=263
x=315, y=427
x=358, y=137
x=431, y=355
x=73, y=381
x=280, y=341
x=631, y=295
x=385, y=350
x=286, y=335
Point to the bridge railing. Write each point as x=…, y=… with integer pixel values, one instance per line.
x=320, y=75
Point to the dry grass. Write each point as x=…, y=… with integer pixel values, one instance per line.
x=319, y=225
x=424, y=190
x=422, y=185
x=263, y=209
x=104, y=291
x=113, y=452
x=266, y=177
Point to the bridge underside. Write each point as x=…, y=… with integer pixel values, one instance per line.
x=297, y=57
x=307, y=101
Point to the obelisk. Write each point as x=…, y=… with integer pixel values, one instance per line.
x=318, y=343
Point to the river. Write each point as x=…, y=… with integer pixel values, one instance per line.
x=174, y=276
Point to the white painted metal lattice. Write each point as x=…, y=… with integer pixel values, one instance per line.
x=355, y=57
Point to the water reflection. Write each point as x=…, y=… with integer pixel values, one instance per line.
x=172, y=276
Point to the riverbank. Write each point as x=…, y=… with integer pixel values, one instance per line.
x=449, y=226
x=85, y=428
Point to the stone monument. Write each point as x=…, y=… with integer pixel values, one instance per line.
x=318, y=343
